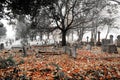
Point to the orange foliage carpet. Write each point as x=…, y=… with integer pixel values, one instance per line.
x=87, y=66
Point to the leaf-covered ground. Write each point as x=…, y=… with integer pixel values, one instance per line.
x=89, y=65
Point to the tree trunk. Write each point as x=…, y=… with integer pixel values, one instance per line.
x=63, y=38
x=24, y=52
x=107, y=33
x=80, y=34
x=41, y=36
x=72, y=35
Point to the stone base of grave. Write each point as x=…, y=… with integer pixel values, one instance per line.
x=91, y=43
x=104, y=48
x=98, y=44
x=111, y=48
x=118, y=44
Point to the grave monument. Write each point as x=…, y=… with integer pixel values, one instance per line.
x=98, y=42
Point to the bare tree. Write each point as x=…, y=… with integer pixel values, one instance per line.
x=71, y=14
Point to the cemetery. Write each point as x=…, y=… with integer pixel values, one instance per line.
x=59, y=40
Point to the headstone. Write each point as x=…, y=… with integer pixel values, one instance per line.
x=108, y=47
x=88, y=47
x=1, y=46
x=73, y=51
x=118, y=41
x=105, y=43
x=98, y=42
x=67, y=50
x=112, y=48
x=111, y=39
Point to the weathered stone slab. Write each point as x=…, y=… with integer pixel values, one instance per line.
x=88, y=47
x=73, y=52
x=105, y=43
x=112, y=48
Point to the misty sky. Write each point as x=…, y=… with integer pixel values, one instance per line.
x=11, y=33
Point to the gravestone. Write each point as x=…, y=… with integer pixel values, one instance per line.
x=88, y=47
x=67, y=50
x=1, y=46
x=73, y=52
x=118, y=41
x=98, y=42
x=111, y=39
x=105, y=43
x=108, y=47
x=111, y=48
x=24, y=43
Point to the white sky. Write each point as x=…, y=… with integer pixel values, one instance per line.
x=10, y=31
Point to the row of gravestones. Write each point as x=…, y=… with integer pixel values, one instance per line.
x=106, y=44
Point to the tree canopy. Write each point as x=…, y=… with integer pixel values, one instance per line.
x=24, y=7
x=65, y=14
